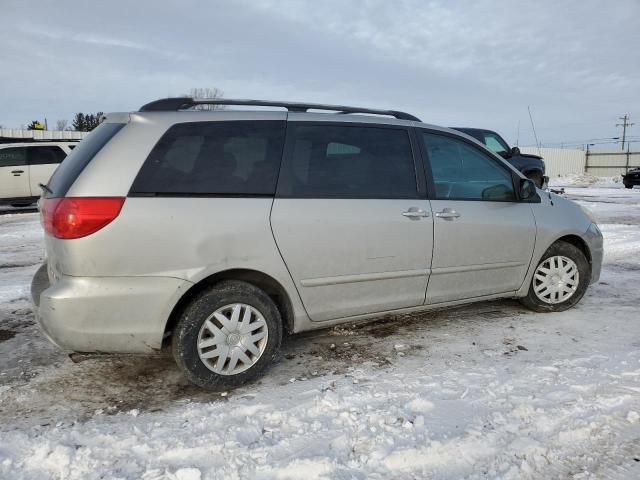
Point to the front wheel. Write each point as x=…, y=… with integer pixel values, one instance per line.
x=537, y=178
x=227, y=336
x=560, y=279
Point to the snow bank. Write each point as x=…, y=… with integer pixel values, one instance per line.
x=585, y=180
x=462, y=401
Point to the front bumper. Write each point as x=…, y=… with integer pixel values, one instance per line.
x=105, y=314
x=593, y=237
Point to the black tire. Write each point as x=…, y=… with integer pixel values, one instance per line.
x=185, y=334
x=568, y=250
x=537, y=178
x=628, y=186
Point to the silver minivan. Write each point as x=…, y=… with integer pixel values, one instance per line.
x=214, y=233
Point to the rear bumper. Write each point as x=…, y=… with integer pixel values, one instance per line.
x=593, y=237
x=105, y=314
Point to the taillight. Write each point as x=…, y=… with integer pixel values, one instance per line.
x=77, y=217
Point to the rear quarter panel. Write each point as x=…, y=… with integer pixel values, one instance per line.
x=184, y=238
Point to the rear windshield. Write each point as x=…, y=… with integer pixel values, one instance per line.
x=72, y=166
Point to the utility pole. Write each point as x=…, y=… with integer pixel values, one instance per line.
x=625, y=123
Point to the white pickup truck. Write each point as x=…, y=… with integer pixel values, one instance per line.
x=24, y=165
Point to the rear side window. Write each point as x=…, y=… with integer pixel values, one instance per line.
x=45, y=155
x=336, y=161
x=214, y=158
x=72, y=166
x=13, y=157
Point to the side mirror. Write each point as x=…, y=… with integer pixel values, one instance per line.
x=515, y=151
x=527, y=189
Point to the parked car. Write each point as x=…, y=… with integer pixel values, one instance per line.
x=215, y=232
x=532, y=166
x=631, y=178
x=24, y=165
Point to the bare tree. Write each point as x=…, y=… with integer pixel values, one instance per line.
x=61, y=125
x=208, y=93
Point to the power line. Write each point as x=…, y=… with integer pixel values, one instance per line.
x=584, y=140
x=625, y=123
x=629, y=139
x=579, y=144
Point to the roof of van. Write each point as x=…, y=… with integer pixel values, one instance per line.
x=183, y=103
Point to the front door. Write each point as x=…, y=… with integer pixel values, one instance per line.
x=348, y=218
x=483, y=236
x=14, y=173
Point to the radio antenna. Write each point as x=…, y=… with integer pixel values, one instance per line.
x=533, y=127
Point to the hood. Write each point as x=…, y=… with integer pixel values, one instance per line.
x=529, y=155
x=564, y=202
x=507, y=156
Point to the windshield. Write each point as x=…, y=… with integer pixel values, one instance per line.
x=494, y=143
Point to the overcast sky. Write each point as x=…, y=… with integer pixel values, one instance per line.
x=464, y=63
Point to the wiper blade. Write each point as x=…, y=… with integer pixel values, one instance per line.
x=45, y=188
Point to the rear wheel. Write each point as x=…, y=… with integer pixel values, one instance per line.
x=227, y=336
x=537, y=178
x=628, y=186
x=560, y=279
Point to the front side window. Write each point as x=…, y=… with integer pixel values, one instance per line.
x=13, y=157
x=45, y=155
x=462, y=172
x=219, y=158
x=336, y=161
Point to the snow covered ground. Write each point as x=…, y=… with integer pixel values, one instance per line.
x=485, y=391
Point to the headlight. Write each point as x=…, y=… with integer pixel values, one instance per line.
x=589, y=214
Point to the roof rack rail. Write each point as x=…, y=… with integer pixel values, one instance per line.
x=183, y=103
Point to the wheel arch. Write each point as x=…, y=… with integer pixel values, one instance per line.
x=267, y=283
x=572, y=238
x=577, y=242
x=531, y=170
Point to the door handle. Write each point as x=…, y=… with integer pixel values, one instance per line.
x=414, y=212
x=448, y=214
x=17, y=171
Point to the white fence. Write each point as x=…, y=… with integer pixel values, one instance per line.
x=564, y=161
x=18, y=134
x=606, y=164
x=559, y=161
